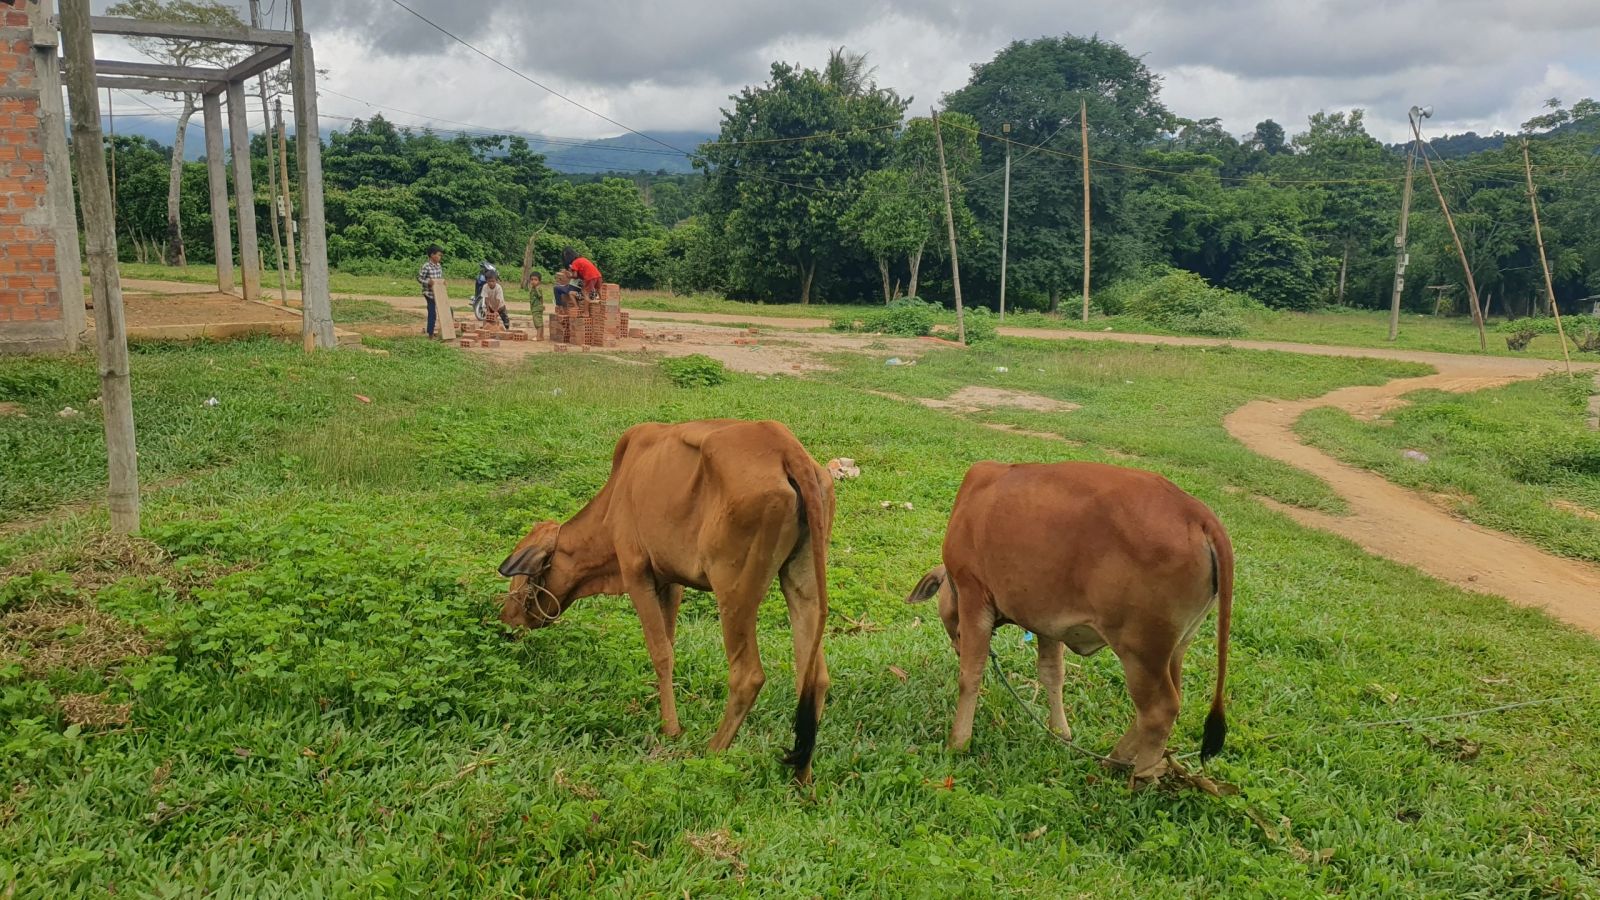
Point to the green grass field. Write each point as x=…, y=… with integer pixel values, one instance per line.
x=1518, y=459
x=325, y=704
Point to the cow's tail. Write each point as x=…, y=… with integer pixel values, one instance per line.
x=1216, y=729
x=816, y=514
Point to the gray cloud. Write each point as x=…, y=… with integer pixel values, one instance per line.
x=1483, y=64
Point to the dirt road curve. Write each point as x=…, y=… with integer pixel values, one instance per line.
x=1388, y=520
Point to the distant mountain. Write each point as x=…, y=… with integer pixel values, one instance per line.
x=628, y=153
x=625, y=153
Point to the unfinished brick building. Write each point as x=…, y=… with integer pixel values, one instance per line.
x=41, y=295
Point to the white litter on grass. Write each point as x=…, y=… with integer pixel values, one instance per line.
x=556, y=392
x=890, y=504
x=212, y=401
x=842, y=468
x=893, y=361
x=68, y=412
x=1001, y=369
x=1415, y=455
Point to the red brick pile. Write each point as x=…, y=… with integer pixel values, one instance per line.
x=591, y=323
x=489, y=334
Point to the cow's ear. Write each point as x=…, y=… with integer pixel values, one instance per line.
x=530, y=561
x=928, y=586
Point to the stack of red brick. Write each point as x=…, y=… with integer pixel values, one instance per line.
x=490, y=334
x=591, y=323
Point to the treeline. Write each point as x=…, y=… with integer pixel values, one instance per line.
x=824, y=184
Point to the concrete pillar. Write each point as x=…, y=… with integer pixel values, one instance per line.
x=244, y=192
x=217, y=176
x=315, y=301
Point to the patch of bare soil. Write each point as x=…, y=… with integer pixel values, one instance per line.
x=718, y=845
x=209, y=308
x=1582, y=512
x=974, y=398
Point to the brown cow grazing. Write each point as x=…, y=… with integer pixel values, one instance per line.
x=1086, y=556
x=719, y=505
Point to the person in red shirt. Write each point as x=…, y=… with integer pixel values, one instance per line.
x=586, y=272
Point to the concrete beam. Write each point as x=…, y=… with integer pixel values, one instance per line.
x=160, y=85
x=258, y=62
x=185, y=31
x=159, y=70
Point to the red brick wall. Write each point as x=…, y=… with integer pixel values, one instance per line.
x=30, y=294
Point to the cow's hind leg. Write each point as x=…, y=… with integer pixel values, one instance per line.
x=648, y=603
x=1052, y=675
x=1155, y=702
x=737, y=607
x=807, y=616
x=976, y=628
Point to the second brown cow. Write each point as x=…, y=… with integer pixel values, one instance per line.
x=1086, y=556
x=719, y=505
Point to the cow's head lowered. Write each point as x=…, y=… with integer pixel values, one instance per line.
x=537, y=595
x=937, y=581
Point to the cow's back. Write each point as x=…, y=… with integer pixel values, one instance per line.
x=1075, y=534
x=675, y=488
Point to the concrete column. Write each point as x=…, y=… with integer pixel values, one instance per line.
x=216, y=173
x=315, y=301
x=244, y=192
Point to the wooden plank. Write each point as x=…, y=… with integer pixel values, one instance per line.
x=217, y=176
x=186, y=31
x=100, y=233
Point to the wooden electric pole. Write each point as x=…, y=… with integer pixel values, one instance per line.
x=1538, y=233
x=1401, y=258
x=1083, y=123
x=1466, y=267
x=100, y=234
x=1005, y=220
x=287, y=210
x=272, y=177
x=950, y=221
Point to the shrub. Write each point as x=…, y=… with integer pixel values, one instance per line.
x=907, y=316
x=1184, y=302
x=1539, y=325
x=981, y=325
x=695, y=370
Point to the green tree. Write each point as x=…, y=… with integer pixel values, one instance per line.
x=1036, y=86
x=611, y=208
x=181, y=53
x=787, y=164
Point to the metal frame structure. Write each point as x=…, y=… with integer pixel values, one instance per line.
x=219, y=86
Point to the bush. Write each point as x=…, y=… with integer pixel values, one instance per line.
x=695, y=370
x=1539, y=325
x=981, y=325
x=1184, y=302
x=907, y=316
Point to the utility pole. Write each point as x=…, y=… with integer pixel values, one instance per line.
x=1083, y=123
x=100, y=233
x=950, y=221
x=1401, y=257
x=1538, y=233
x=1005, y=220
x=1466, y=267
x=272, y=175
x=287, y=210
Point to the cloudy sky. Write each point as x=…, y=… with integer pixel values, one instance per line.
x=671, y=64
